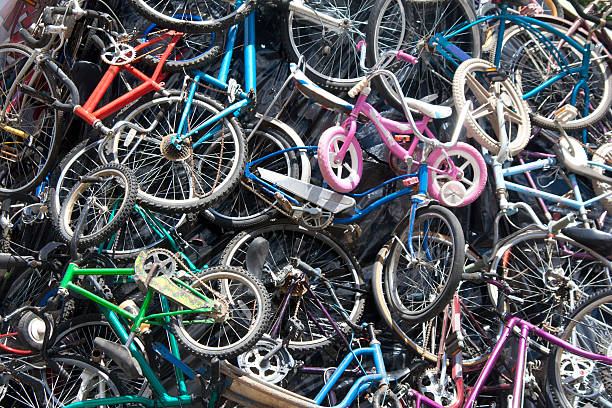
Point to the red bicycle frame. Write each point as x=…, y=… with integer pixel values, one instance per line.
x=88, y=111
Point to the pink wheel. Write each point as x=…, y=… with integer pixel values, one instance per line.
x=344, y=176
x=458, y=177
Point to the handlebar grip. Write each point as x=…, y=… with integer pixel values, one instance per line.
x=403, y=56
x=33, y=42
x=556, y=226
x=356, y=90
x=472, y=276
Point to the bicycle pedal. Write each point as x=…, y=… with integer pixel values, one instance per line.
x=454, y=343
x=402, y=138
x=565, y=113
x=495, y=75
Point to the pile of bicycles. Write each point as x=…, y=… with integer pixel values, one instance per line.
x=169, y=237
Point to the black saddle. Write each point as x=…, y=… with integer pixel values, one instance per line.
x=598, y=241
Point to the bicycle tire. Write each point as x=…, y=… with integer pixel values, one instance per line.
x=434, y=299
x=528, y=61
x=331, y=57
x=218, y=19
x=542, y=269
x=476, y=297
x=409, y=27
x=113, y=213
x=591, y=387
x=333, y=172
x=175, y=182
x=252, y=210
x=318, y=249
x=207, y=50
x=41, y=124
x=60, y=386
x=258, y=324
x=136, y=233
x=473, y=173
x=467, y=83
x=601, y=154
x=77, y=335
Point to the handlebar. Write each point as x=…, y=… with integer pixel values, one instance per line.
x=580, y=10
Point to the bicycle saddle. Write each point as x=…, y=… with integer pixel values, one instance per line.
x=317, y=94
x=598, y=241
x=429, y=109
x=571, y=154
x=120, y=355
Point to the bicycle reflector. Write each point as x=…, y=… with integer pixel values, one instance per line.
x=495, y=75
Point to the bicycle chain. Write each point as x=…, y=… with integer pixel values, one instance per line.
x=218, y=168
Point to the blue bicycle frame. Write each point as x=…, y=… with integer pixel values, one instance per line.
x=578, y=203
x=221, y=82
x=441, y=42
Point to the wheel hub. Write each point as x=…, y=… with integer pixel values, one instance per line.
x=170, y=151
x=442, y=391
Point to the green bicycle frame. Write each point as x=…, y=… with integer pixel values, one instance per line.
x=112, y=313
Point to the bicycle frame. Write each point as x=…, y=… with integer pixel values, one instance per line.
x=451, y=52
x=526, y=329
x=221, y=82
x=112, y=313
x=544, y=161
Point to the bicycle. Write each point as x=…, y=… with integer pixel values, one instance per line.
x=581, y=76
x=203, y=186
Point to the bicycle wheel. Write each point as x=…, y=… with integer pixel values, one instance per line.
x=110, y=199
x=410, y=26
x=603, y=155
x=141, y=229
x=192, y=51
x=193, y=16
x=318, y=250
x=341, y=176
x=77, y=337
x=420, y=285
x=479, y=324
x=461, y=163
x=551, y=275
x=245, y=315
x=330, y=52
x=204, y=170
x=71, y=379
x=482, y=120
x=29, y=129
x=531, y=59
x=244, y=208
x=574, y=381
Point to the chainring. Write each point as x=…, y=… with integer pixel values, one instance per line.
x=272, y=371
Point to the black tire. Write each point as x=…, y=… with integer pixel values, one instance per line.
x=77, y=335
x=25, y=165
x=530, y=262
x=244, y=209
x=191, y=52
x=587, y=328
x=317, y=249
x=401, y=25
x=220, y=19
x=331, y=57
x=385, y=398
x=62, y=374
x=122, y=194
x=187, y=183
x=258, y=324
x=136, y=233
x=406, y=285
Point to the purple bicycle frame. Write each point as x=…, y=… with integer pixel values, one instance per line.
x=526, y=330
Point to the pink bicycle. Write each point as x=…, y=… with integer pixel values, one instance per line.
x=457, y=172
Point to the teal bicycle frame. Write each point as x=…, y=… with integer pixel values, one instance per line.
x=442, y=42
